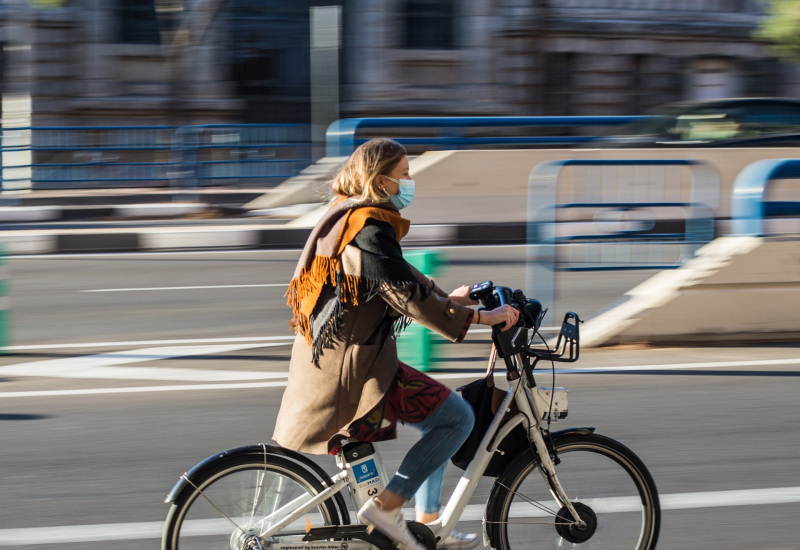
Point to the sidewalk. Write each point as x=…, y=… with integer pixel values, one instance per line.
x=129, y=220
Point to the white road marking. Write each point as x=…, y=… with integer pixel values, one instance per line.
x=144, y=289
x=143, y=389
x=684, y=366
x=34, y=347
x=105, y=365
x=71, y=534
x=102, y=366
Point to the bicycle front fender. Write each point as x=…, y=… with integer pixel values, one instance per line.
x=570, y=431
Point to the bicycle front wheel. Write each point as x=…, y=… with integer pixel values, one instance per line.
x=233, y=502
x=607, y=483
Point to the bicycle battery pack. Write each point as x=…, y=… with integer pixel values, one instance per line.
x=365, y=471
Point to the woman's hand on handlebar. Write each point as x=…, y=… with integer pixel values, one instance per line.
x=505, y=315
x=461, y=296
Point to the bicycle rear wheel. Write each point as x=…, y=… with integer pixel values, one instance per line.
x=236, y=500
x=608, y=485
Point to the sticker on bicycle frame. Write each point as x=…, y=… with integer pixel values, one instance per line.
x=314, y=545
x=366, y=473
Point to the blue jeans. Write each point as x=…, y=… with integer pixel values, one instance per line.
x=422, y=471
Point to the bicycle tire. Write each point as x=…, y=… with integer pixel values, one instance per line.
x=236, y=486
x=614, y=492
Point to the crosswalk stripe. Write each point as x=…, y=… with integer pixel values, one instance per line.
x=144, y=389
x=106, y=365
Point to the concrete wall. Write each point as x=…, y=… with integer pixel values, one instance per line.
x=493, y=185
x=737, y=289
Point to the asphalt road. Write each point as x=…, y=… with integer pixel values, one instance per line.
x=125, y=370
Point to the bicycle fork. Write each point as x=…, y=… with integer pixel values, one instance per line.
x=546, y=464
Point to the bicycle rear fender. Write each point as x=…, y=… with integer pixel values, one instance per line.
x=257, y=450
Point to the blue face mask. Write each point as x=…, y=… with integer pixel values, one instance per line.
x=405, y=193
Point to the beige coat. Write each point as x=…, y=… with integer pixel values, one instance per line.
x=319, y=404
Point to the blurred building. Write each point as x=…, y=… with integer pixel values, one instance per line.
x=133, y=62
x=553, y=57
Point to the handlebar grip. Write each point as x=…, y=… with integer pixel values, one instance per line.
x=502, y=299
x=505, y=297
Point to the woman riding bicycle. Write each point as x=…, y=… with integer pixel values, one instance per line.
x=351, y=292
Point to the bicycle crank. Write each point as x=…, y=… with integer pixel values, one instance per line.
x=572, y=531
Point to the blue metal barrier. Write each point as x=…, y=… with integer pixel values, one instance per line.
x=748, y=207
x=245, y=154
x=617, y=219
x=342, y=138
x=153, y=156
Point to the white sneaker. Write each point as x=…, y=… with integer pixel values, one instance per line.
x=459, y=541
x=391, y=523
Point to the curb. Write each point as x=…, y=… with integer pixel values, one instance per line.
x=67, y=212
x=188, y=237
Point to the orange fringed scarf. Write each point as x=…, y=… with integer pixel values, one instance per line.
x=320, y=268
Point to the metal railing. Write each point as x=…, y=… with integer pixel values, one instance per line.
x=344, y=135
x=750, y=204
x=611, y=215
x=249, y=155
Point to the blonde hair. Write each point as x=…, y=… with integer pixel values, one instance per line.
x=358, y=178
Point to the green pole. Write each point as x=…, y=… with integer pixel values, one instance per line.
x=417, y=345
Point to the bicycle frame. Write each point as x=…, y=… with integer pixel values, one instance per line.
x=528, y=413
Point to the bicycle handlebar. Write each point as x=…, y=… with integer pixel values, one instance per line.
x=492, y=297
x=531, y=313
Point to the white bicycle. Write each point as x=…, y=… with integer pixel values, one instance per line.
x=566, y=489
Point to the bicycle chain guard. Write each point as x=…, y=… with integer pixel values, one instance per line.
x=370, y=535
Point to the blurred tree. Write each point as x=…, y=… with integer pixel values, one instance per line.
x=782, y=28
